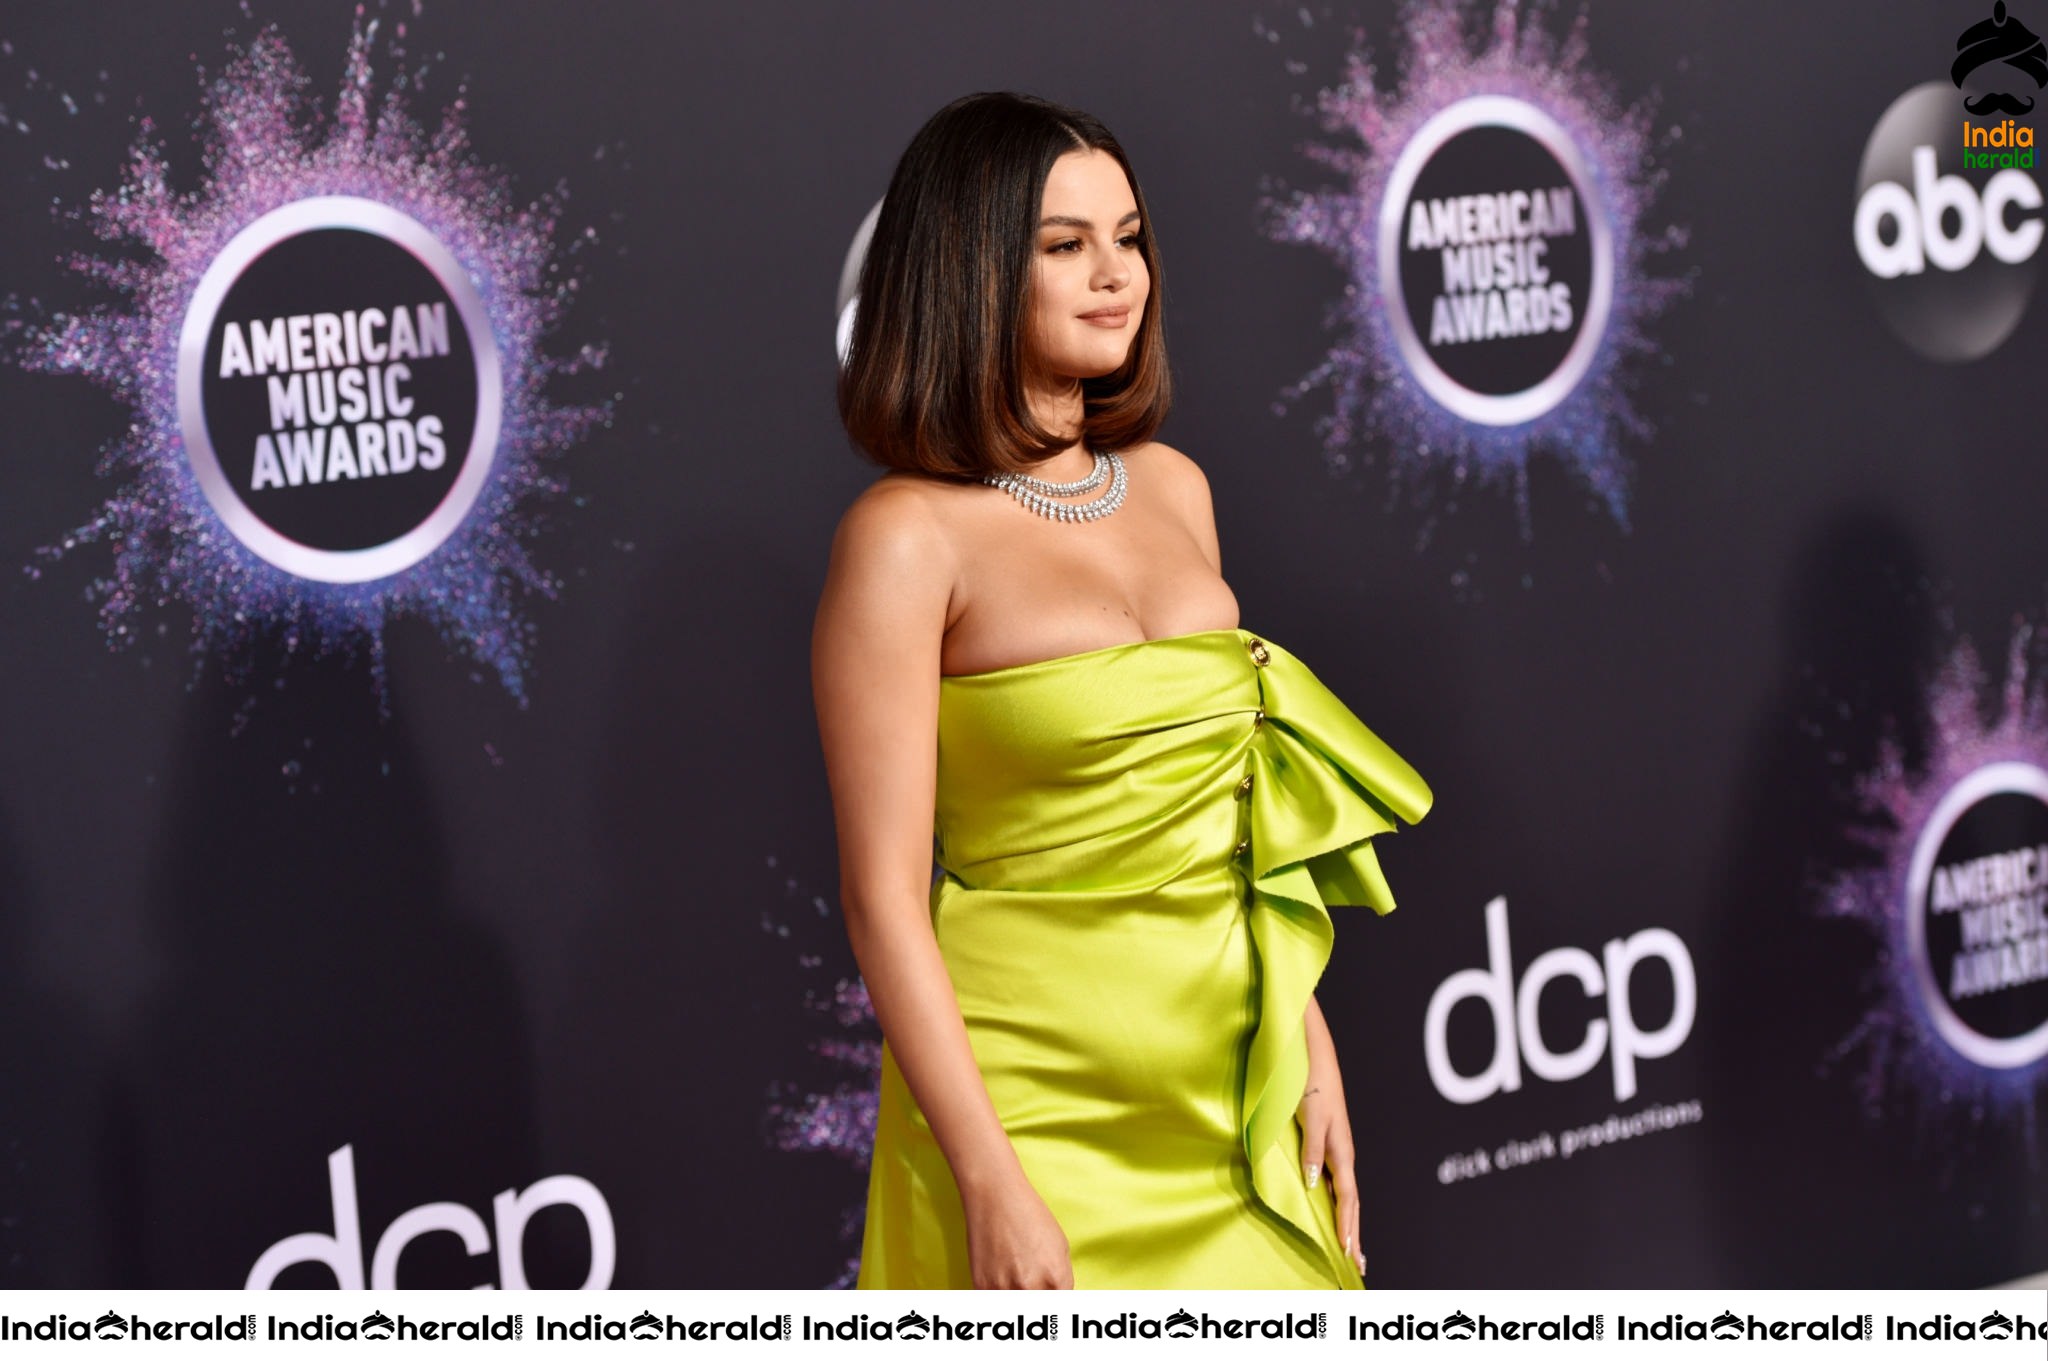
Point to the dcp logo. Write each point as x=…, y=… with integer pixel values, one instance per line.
x=342, y=1251
x=1518, y=1038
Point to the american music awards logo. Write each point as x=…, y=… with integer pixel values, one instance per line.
x=1958, y=898
x=1491, y=221
x=331, y=354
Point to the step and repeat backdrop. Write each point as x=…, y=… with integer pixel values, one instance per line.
x=416, y=866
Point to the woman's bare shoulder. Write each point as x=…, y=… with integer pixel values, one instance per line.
x=1182, y=477
x=1175, y=468
x=1187, y=488
x=898, y=523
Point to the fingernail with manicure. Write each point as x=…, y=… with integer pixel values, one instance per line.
x=1315, y=1170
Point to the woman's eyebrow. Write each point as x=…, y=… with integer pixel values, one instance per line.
x=1083, y=223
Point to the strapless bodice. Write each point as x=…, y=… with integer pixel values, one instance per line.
x=1116, y=781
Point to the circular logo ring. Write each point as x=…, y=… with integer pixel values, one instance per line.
x=2003, y=777
x=849, y=279
x=317, y=564
x=1487, y=408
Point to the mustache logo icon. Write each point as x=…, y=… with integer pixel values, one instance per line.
x=1997, y=102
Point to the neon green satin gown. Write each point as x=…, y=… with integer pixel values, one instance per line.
x=1138, y=848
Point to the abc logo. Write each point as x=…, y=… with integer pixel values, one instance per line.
x=1917, y=220
x=1518, y=1038
x=1951, y=250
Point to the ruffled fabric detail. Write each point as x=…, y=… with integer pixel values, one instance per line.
x=1323, y=784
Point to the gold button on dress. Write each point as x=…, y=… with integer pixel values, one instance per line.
x=1133, y=927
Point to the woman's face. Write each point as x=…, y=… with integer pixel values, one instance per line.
x=1089, y=280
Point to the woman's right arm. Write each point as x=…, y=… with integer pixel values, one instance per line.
x=875, y=681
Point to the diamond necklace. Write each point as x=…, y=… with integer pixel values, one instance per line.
x=1088, y=483
x=1036, y=494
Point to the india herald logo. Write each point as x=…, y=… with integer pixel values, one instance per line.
x=1999, y=46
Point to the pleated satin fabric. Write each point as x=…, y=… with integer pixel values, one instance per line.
x=1139, y=846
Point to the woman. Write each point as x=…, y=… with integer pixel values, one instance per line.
x=1103, y=1065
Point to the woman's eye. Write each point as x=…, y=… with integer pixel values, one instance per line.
x=1067, y=246
x=1133, y=241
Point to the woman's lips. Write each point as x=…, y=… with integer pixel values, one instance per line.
x=1114, y=318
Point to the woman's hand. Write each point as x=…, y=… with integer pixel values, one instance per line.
x=1326, y=1148
x=1013, y=1241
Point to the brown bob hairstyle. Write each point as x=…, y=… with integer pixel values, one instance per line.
x=934, y=375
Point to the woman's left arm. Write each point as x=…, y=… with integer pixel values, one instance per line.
x=1326, y=1147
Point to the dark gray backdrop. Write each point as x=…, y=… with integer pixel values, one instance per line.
x=546, y=940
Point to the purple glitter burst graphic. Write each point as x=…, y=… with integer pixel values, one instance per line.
x=1377, y=395
x=264, y=145
x=1904, y=1052
x=839, y=1120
